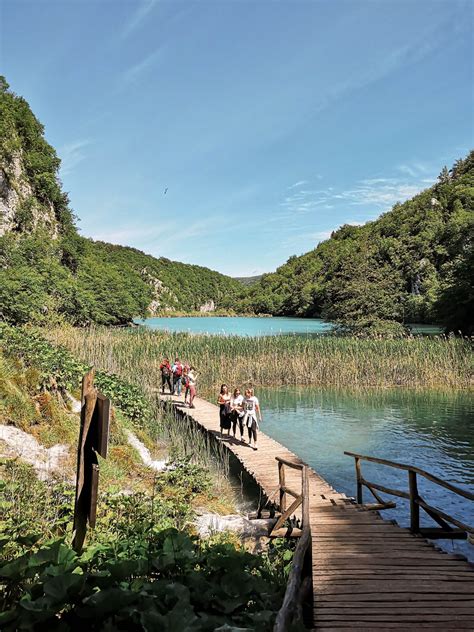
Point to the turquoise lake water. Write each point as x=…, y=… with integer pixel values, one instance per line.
x=251, y=326
x=430, y=430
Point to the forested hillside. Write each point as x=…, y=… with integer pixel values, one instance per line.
x=414, y=263
x=48, y=271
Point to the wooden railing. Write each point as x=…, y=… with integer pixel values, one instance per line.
x=298, y=586
x=445, y=530
x=301, y=498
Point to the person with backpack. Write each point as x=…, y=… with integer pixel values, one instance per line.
x=177, y=370
x=165, y=369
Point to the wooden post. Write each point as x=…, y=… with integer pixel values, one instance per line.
x=414, y=506
x=281, y=477
x=305, y=493
x=359, y=482
x=93, y=440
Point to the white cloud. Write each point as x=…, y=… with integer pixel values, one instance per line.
x=139, y=16
x=162, y=238
x=132, y=73
x=297, y=184
x=72, y=154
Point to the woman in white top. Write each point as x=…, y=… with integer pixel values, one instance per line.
x=252, y=412
x=237, y=412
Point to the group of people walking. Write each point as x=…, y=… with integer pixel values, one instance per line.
x=235, y=410
x=239, y=410
x=178, y=376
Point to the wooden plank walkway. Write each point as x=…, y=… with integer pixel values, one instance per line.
x=368, y=574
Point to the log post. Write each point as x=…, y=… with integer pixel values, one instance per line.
x=281, y=477
x=359, y=481
x=305, y=493
x=414, y=506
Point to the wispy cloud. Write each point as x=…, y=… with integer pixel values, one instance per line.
x=72, y=154
x=377, y=193
x=134, y=72
x=297, y=184
x=161, y=238
x=433, y=38
x=139, y=16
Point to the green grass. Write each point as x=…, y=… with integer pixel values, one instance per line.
x=415, y=362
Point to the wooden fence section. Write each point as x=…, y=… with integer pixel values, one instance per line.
x=445, y=530
x=367, y=573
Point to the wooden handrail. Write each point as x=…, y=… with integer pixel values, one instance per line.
x=295, y=586
x=295, y=466
x=289, y=605
x=416, y=502
x=387, y=490
x=412, y=468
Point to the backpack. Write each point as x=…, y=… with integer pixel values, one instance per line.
x=165, y=370
x=178, y=370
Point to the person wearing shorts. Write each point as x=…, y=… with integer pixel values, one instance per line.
x=237, y=413
x=192, y=378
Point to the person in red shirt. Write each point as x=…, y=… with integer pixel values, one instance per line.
x=165, y=369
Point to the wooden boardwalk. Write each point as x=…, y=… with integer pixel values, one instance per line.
x=368, y=574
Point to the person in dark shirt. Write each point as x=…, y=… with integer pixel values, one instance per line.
x=165, y=369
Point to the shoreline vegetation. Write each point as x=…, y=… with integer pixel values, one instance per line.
x=143, y=562
x=437, y=362
x=218, y=313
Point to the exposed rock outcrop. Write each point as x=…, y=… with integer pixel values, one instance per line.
x=208, y=306
x=159, y=289
x=19, y=209
x=15, y=443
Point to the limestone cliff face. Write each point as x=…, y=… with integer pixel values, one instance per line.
x=19, y=208
x=208, y=306
x=159, y=291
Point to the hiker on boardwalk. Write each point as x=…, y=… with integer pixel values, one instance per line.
x=237, y=412
x=165, y=369
x=185, y=381
x=252, y=414
x=177, y=370
x=224, y=402
x=192, y=379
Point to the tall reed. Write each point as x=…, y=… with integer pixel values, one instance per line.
x=416, y=362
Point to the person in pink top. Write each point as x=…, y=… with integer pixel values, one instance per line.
x=192, y=378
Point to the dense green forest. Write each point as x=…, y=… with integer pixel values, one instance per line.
x=414, y=263
x=48, y=271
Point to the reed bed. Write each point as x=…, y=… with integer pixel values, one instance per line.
x=342, y=362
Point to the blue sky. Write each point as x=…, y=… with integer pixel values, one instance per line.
x=270, y=123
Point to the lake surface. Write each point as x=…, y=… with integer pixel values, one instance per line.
x=250, y=326
x=433, y=431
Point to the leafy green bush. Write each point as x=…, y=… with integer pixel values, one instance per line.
x=168, y=581
x=137, y=573
x=30, y=346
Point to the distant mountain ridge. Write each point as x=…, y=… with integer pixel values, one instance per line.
x=248, y=280
x=49, y=272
